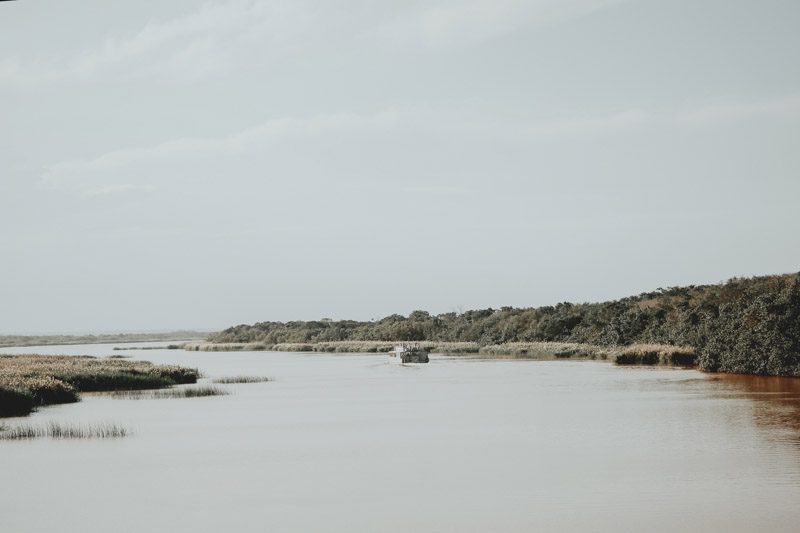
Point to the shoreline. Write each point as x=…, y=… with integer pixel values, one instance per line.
x=23, y=341
x=636, y=354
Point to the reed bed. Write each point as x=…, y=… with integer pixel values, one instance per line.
x=548, y=350
x=165, y=347
x=230, y=380
x=166, y=394
x=331, y=347
x=634, y=354
x=291, y=347
x=656, y=354
x=452, y=348
x=28, y=381
x=225, y=346
x=55, y=430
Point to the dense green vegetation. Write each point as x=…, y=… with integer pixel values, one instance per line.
x=746, y=325
x=29, y=381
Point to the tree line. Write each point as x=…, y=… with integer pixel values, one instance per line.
x=745, y=325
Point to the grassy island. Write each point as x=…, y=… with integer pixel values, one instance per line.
x=30, y=381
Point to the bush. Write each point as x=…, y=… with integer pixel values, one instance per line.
x=15, y=402
x=655, y=354
x=759, y=337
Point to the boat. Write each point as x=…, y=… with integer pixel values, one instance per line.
x=409, y=353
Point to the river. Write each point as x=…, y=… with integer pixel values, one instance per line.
x=351, y=443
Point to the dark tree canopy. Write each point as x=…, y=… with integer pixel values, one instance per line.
x=745, y=325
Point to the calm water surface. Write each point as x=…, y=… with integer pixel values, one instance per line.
x=349, y=443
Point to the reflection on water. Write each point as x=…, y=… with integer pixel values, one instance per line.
x=348, y=443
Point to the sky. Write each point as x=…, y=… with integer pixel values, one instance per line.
x=200, y=164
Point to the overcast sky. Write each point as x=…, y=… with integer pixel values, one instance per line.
x=191, y=164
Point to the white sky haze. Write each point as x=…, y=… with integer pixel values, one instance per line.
x=199, y=164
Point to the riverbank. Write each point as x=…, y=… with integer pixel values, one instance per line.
x=663, y=354
x=29, y=381
x=742, y=326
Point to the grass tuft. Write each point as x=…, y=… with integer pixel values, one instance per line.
x=186, y=392
x=55, y=430
x=242, y=379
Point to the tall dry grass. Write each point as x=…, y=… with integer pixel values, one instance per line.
x=332, y=347
x=229, y=380
x=656, y=354
x=28, y=381
x=165, y=394
x=55, y=430
x=548, y=350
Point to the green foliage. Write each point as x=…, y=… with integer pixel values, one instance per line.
x=747, y=325
x=15, y=402
x=655, y=354
x=759, y=335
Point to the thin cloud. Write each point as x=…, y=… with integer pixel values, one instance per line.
x=433, y=190
x=424, y=121
x=220, y=37
x=478, y=20
x=151, y=38
x=202, y=42
x=787, y=108
x=61, y=174
x=100, y=190
x=588, y=124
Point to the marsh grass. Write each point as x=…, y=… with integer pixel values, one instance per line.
x=453, y=348
x=165, y=394
x=29, y=381
x=548, y=350
x=241, y=379
x=55, y=430
x=226, y=347
x=331, y=347
x=165, y=347
x=634, y=354
x=655, y=354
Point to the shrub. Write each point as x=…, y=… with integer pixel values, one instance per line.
x=15, y=402
x=655, y=354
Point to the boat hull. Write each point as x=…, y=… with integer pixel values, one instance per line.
x=409, y=355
